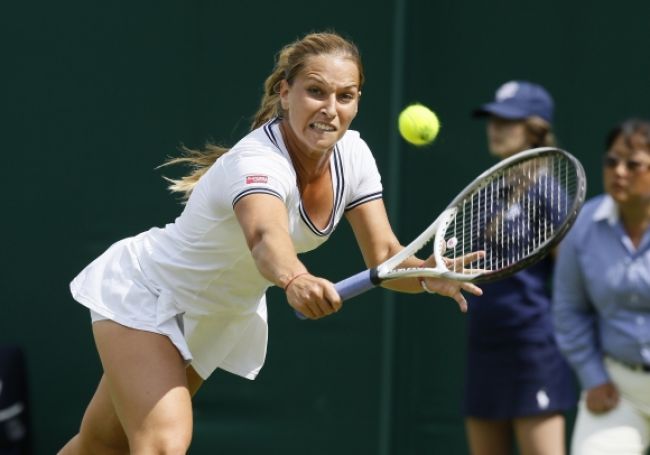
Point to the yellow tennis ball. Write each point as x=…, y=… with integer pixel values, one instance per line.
x=418, y=124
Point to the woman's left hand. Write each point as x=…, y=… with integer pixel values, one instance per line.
x=451, y=288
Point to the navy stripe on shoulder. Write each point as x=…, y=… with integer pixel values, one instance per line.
x=269, y=132
x=364, y=199
x=255, y=190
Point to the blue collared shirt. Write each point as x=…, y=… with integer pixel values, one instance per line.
x=601, y=293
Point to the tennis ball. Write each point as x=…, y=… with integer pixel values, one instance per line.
x=418, y=124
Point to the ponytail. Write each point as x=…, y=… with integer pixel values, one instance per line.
x=270, y=105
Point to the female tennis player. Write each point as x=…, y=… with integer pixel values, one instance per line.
x=171, y=305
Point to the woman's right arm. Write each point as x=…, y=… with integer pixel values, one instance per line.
x=574, y=316
x=264, y=222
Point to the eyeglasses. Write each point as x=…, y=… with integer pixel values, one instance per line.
x=631, y=166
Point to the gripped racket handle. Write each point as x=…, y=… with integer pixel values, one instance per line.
x=357, y=284
x=354, y=285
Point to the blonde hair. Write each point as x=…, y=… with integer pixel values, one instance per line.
x=290, y=62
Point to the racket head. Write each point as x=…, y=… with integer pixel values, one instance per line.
x=515, y=213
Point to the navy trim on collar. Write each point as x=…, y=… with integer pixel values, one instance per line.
x=338, y=182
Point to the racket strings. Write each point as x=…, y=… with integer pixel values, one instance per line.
x=512, y=215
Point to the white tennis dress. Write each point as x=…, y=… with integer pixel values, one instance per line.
x=195, y=279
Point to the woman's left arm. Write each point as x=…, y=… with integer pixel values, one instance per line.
x=377, y=242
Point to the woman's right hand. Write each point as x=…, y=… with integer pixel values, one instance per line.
x=602, y=398
x=313, y=297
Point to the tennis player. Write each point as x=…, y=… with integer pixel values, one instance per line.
x=171, y=305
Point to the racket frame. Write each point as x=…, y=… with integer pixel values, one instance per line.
x=387, y=270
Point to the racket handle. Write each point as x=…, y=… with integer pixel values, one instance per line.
x=351, y=287
x=355, y=285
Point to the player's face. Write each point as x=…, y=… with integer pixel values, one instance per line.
x=506, y=137
x=626, y=170
x=321, y=102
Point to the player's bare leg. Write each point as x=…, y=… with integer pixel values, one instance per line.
x=489, y=437
x=540, y=435
x=146, y=381
x=101, y=432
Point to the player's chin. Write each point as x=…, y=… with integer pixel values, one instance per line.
x=323, y=145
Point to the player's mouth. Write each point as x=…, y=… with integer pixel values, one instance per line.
x=320, y=126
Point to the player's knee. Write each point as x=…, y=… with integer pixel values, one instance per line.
x=87, y=442
x=176, y=442
x=174, y=446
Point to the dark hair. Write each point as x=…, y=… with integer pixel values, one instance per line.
x=628, y=128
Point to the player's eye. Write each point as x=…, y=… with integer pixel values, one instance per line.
x=315, y=91
x=347, y=97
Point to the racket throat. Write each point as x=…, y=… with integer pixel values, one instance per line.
x=374, y=276
x=439, y=243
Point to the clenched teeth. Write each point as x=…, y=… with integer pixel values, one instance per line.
x=323, y=126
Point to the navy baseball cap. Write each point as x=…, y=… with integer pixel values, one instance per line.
x=517, y=100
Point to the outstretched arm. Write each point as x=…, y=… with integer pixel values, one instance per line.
x=264, y=222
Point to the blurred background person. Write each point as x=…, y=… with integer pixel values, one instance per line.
x=601, y=299
x=517, y=384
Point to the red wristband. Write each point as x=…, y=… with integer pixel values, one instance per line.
x=286, y=286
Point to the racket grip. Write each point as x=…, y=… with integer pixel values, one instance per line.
x=355, y=285
x=351, y=287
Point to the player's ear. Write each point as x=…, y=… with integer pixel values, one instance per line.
x=284, y=94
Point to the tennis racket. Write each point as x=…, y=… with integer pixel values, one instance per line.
x=508, y=218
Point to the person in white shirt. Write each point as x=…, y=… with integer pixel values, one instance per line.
x=171, y=305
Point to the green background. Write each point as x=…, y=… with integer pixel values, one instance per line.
x=95, y=95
